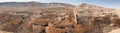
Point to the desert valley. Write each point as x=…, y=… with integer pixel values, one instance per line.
x=36, y=17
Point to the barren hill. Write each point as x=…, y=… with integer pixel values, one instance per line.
x=29, y=6
x=35, y=17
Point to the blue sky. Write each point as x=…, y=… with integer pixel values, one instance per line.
x=103, y=3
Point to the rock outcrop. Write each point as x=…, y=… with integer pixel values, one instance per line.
x=57, y=18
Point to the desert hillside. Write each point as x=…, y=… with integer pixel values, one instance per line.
x=35, y=17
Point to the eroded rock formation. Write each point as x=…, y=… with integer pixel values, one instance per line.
x=59, y=19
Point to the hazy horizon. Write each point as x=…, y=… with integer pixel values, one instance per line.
x=103, y=3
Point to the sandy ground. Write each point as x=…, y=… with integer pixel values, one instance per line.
x=5, y=32
x=115, y=31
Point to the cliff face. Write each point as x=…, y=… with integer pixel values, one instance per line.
x=34, y=17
